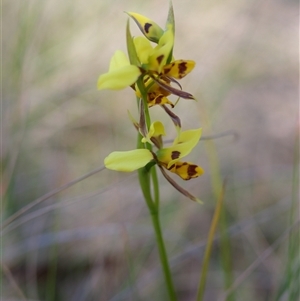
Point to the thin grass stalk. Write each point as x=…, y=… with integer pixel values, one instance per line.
x=52, y=274
x=294, y=243
x=290, y=279
x=216, y=182
x=212, y=231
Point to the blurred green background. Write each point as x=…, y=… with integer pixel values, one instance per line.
x=94, y=241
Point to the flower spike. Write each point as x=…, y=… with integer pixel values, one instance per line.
x=154, y=74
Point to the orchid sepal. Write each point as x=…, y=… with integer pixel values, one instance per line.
x=128, y=161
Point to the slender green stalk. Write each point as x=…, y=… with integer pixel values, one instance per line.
x=155, y=186
x=163, y=255
x=153, y=205
x=154, y=211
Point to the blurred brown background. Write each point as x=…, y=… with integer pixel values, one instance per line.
x=94, y=241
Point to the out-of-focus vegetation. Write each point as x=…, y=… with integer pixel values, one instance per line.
x=94, y=240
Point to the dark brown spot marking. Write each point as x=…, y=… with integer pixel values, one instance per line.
x=182, y=68
x=146, y=27
x=158, y=99
x=175, y=155
x=171, y=167
x=192, y=170
x=160, y=58
x=151, y=96
x=184, y=163
x=167, y=70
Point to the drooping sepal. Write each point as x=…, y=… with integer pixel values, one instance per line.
x=173, y=90
x=176, y=120
x=134, y=122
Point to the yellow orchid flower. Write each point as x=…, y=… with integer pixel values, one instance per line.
x=155, y=64
x=160, y=74
x=167, y=157
x=120, y=75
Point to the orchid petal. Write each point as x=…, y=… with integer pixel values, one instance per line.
x=181, y=147
x=178, y=69
x=156, y=129
x=190, y=136
x=178, y=187
x=186, y=170
x=159, y=100
x=161, y=52
x=143, y=49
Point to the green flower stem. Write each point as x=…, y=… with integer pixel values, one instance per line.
x=163, y=254
x=143, y=91
x=154, y=211
x=153, y=205
x=155, y=187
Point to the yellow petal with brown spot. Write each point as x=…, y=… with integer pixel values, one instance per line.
x=159, y=100
x=178, y=69
x=187, y=170
x=161, y=52
x=181, y=147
